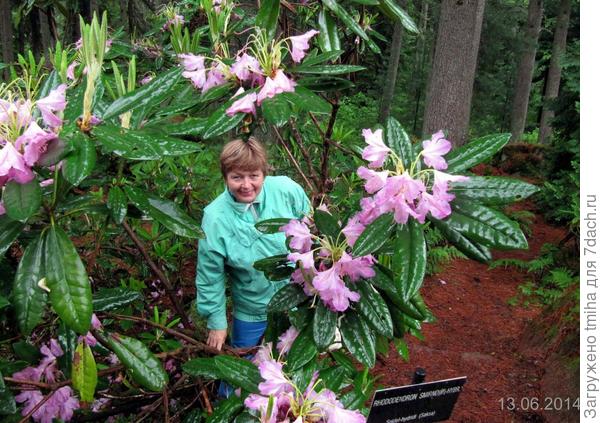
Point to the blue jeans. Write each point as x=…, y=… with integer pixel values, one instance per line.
x=244, y=334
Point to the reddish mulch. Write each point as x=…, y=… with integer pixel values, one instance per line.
x=479, y=335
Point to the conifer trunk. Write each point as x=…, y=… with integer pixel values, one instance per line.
x=6, y=34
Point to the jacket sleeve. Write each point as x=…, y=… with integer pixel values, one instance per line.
x=210, y=276
x=300, y=201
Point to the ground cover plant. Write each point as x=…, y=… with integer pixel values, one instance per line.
x=107, y=160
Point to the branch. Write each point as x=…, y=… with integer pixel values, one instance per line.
x=326, y=144
x=161, y=276
x=293, y=160
x=307, y=159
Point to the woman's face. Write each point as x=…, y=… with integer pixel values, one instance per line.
x=245, y=185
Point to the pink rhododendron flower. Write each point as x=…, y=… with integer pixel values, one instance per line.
x=146, y=79
x=442, y=179
x=89, y=339
x=275, y=381
x=306, y=259
x=353, y=230
x=332, y=289
x=434, y=149
x=376, y=152
x=194, y=70
x=369, y=210
x=52, y=103
x=15, y=113
x=215, y=76
x=263, y=353
x=286, y=340
x=374, y=180
x=300, y=45
x=273, y=86
x=300, y=233
x=357, y=268
x=247, y=68
x=71, y=70
x=245, y=104
x=60, y=405
x=34, y=142
x=175, y=20
x=13, y=166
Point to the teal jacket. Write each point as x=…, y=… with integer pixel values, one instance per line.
x=232, y=244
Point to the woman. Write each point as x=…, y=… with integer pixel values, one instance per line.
x=233, y=244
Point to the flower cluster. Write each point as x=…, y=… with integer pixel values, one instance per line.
x=407, y=192
x=263, y=73
x=281, y=401
x=327, y=268
x=61, y=403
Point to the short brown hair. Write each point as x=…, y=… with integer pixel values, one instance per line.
x=243, y=155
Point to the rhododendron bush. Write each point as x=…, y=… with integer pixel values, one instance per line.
x=71, y=143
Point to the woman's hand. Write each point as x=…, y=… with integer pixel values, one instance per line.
x=216, y=338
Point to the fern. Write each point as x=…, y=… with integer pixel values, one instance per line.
x=509, y=262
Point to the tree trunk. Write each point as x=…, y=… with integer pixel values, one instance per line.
x=6, y=34
x=389, y=84
x=46, y=35
x=419, y=64
x=525, y=70
x=124, y=8
x=35, y=35
x=559, y=45
x=450, y=88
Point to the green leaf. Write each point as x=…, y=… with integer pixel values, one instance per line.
x=140, y=144
x=50, y=83
x=70, y=292
x=9, y=231
x=324, y=324
x=22, y=200
x=327, y=224
x=287, y=298
x=475, y=152
x=493, y=190
x=391, y=9
x=374, y=235
x=358, y=338
x=398, y=140
x=349, y=21
x=246, y=417
x=271, y=262
x=300, y=317
x=307, y=101
x=239, y=372
x=276, y=110
x=29, y=299
x=117, y=204
x=402, y=348
x=80, y=163
x=328, y=37
x=271, y=226
x=410, y=258
x=67, y=339
x=333, y=377
x=219, y=123
x=192, y=126
x=202, y=367
x=486, y=226
x=139, y=360
x=83, y=372
x=226, y=410
x=320, y=83
x=267, y=17
x=147, y=95
x=4, y=302
x=303, y=349
x=372, y=307
x=314, y=59
x=26, y=351
x=165, y=212
x=7, y=401
x=470, y=248
x=329, y=69
x=107, y=299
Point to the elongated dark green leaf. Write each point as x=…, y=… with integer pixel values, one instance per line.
x=486, y=226
x=391, y=9
x=345, y=17
x=398, y=140
x=246, y=417
x=166, y=212
x=407, y=307
x=140, y=144
x=267, y=17
x=9, y=231
x=276, y=110
x=404, y=321
x=300, y=317
x=22, y=201
x=324, y=324
x=117, y=204
x=218, y=123
x=358, y=338
x=327, y=224
x=328, y=83
x=329, y=69
x=410, y=258
x=50, y=83
x=226, y=410
x=418, y=302
x=271, y=226
x=139, y=360
x=287, y=298
x=83, y=372
x=333, y=377
x=70, y=292
x=475, y=152
x=374, y=235
x=67, y=339
x=328, y=37
x=270, y=262
x=7, y=401
x=303, y=349
x=373, y=309
x=308, y=101
x=202, y=367
x=493, y=190
x=107, y=299
x=191, y=126
x=239, y=372
x=80, y=163
x=4, y=302
x=314, y=59
x=147, y=95
x=470, y=248
x=29, y=299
